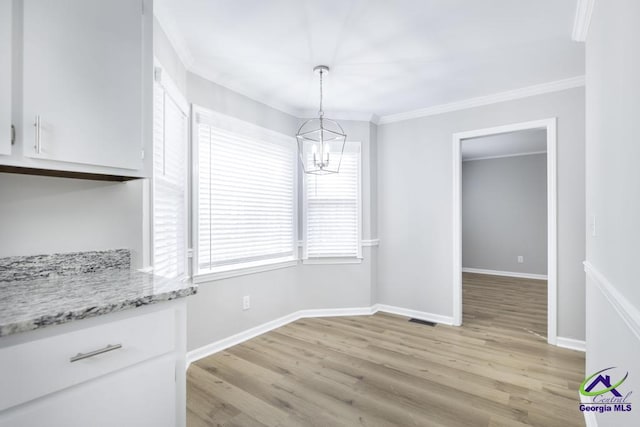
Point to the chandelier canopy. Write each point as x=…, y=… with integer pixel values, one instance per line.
x=321, y=141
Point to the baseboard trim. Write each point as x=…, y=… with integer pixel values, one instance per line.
x=505, y=273
x=243, y=336
x=238, y=338
x=571, y=344
x=336, y=312
x=422, y=315
x=590, y=419
x=623, y=307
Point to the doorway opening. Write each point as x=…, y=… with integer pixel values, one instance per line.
x=517, y=251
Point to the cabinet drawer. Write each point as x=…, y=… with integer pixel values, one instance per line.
x=40, y=367
x=139, y=396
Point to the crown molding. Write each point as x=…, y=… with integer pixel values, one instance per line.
x=584, y=10
x=539, y=89
x=201, y=72
x=340, y=115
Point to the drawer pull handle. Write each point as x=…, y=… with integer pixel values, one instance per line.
x=107, y=349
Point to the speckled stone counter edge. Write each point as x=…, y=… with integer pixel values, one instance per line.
x=85, y=313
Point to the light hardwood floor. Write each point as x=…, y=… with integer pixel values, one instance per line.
x=381, y=370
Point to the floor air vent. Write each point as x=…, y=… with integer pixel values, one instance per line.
x=422, y=322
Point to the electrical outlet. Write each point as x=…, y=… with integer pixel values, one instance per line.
x=520, y=259
x=246, y=302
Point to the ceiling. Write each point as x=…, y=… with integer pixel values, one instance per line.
x=505, y=145
x=386, y=57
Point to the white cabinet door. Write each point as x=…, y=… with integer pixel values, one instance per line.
x=83, y=81
x=141, y=396
x=5, y=76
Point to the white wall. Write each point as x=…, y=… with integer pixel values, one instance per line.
x=504, y=214
x=613, y=195
x=415, y=203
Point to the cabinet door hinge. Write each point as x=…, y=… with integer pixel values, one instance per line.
x=13, y=135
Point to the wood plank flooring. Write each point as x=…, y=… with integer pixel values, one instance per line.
x=381, y=370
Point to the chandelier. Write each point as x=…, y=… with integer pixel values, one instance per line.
x=321, y=141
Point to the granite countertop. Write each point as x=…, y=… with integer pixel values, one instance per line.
x=52, y=298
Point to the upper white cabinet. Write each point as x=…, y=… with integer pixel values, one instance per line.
x=5, y=76
x=84, y=85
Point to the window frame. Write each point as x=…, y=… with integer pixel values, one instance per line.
x=170, y=89
x=333, y=259
x=252, y=267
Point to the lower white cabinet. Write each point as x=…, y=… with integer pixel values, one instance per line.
x=143, y=395
x=121, y=369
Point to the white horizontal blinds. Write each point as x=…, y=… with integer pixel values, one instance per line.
x=246, y=197
x=333, y=209
x=204, y=197
x=170, y=139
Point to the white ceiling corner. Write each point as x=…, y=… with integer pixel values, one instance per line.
x=389, y=60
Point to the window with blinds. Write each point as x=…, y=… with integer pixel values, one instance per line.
x=246, y=195
x=332, y=210
x=170, y=185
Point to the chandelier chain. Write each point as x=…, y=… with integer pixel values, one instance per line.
x=321, y=112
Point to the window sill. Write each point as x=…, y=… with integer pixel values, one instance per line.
x=332, y=260
x=243, y=269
